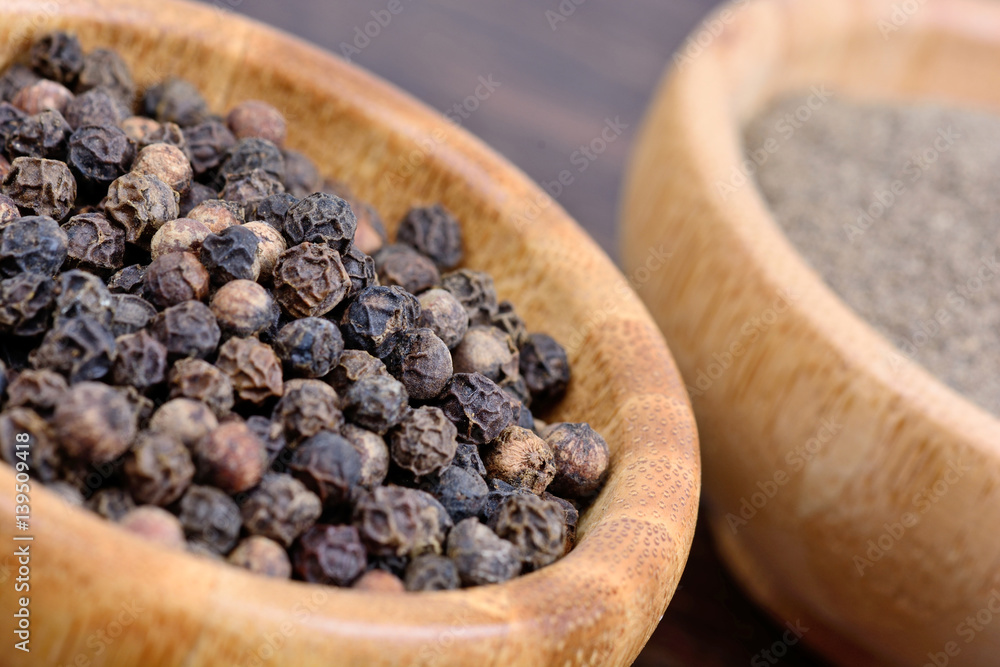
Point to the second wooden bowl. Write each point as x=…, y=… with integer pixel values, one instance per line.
x=101, y=597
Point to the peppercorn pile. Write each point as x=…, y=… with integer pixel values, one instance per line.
x=218, y=350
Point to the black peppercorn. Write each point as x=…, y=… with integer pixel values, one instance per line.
x=41, y=187
x=242, y=308
x=81, y=348
x=129, y=280
x=40, y=390
x=199, y=380
x=487, y=351
x=105, y=68
x=403, y=266
x=57, y=56
x=273, y=209
x=158, y=469
x=261, y=556
x=320, y=218
x=231, y=458
x=536, y=527
x=95, y=422
x=230, y=255
x=187, y=330
x=43, y=135
x=397, y=521
x=281, y=508
x=302, y=178
x=94, y=244
x=272, y=434
x=309, y=347
x=376, y=316
x=329, y=467
x=208, y=144
x=461, y=491
x=141, y=361
x=571, y=515
x=434, y=232
x=14, y=79
x=480, y=556
x=477, y=406
x=140, y=204
x=475, y=291
x=129, y=313
x=351, y=367
x=508, y=321
x=45, y=459
x=421, y=361
x=310, y=280
x=545, y=367
x=467, y=456
x=174, y=278
x=581, y=459
x=79, y=293
x=424, y=442
x=210, y=518
x=176, y=101
x=373, y=451
x=253, y=367
x=249, y=188
x=431, y=572
x=185, y=419
x=112, y=503
x=361, y=269
x=442, y=313
x=329, y=555
x=308, y=407
x=96, y=107
x=26, y=302
x=249, y=154
x=197, y=194
x=376, y=403
x=270, y=245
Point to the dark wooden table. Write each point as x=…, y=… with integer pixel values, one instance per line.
x=559, y=73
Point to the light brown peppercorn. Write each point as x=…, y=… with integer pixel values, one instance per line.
x=520, y=458
x=379, y=581
x=42, y=95
x=242, y=308
x=424, y=442
x=308, y=407
x=581, y=459
x=95, y=422
x=138, y=127
x=141, y=204
x=217, y=214
x=43, y=187
x=373, y=451
x=231, y=457
x=158, y=468
x=269, y=248
x=8, y=207
x=254, y=118
x=201, y=381
x=41, y=389
x=280, y=508
x=261, y=556
x=488, y=351
x=536, y=528
x=156, y=525
x=185, y=419
x=480, y=556
x=253, y=367
x=310, y=280
x=174, y=278
x=180, y=235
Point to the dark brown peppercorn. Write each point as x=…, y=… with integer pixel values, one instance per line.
x=272, y=434
x=460, y=491
x=273, y=209
x=254, y=118
x=309, y=347
x=185, y=419
x=249, y=188
x=261, y=556
x=310, y=280
x=281, y=508
x=421, y=361
x=379, y=581
x=218, y=215
x=545, y=367
x=163, y=133
x=210, y=518
x=45, y=458
x=112, y=503
x=397, y=521
x=376, y=403
x=376, y=316
x=373, y=452
x=41, y=390
x=270, y=245
x=44, y=135
x=201, y=381
x=105, y=68
x=140, y=204
x=26, y=302
x=308, y=407
x=475, y=291
x=187, y=330
x=360, y=267
x=230, y=255
x=242, y=308
x=467, y=456
x=174, y=278
x=94, y=244
x=129, y=280
x=79, y=293
x=141, y=361
x=508, y=321
x=196, y=195
x=320, y=218
x=581, y=458
x=181, y=235
x=14, y=79
x=571, y=515
x=156, y=525
x=167, y=163
x=80, y=348
x=536, y=528
x=329, y=467
x=520, y=458
x=41, y=187
x=302, y=178
x=129, y=313
x=97, y=107
x=424, y=442
x=253, y=367
x=442, y=313
x=42, y=95
x=57, y=56
x=480, y=556
x=329, y=555
x=158, y=469
x=351, y=367
x=208, y=144
x=249, y=154
x=431, y=573
x=403, y=266
x=231, y=458
x=95, y=422
x=434, y=232
x=176, y=101
x=477, y=406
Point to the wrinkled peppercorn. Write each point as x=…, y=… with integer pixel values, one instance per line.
x=421, y=361
x=139, y=127
x=351, y=367
x=45, y=458
x=242, y=308
x=94, y=244
x=210, y=518
x=174, y=278
x=477, y=406
x=480, y=556
x=254, y=118
x=302, y=178
x=105, y=68
x=208, y=144
x=197, y=194
x=181, y=235
x=249, y=154
x=43, y=135
x=231, y=458
x=140, y=204
x=424, y=442
x=217, y=215
x=431, y=572
x=329, y=467
x=487, y=351
x=545, y=367
x=129, y=313
x=167, y=163
x=112, y=503
x=176, y=101
x=434, y=232
x=309, y=347
x=308, y=407
x=571, y=515
x=95, y=422
x=281, y=508
x=329, y=555
x=57, y=56
x=442, y=313
x=249, y=188
x=261, y=556
x=376, y=403
x=374, y=454
x=96, y=107
x=320, y=218
x=201, y=381
x=520, y=458
x=403, y=266
x=475, y=291
x=80, y=348
x=156, y=525
x=361, y=269
x=376, y=316
x=26, y=302
x=187, y=330
x=38, y=389
x=581, y=459
x=461, y=491
x=253, y=367
x=397, y=521
x=129, y=280
x=310, y=280
x=141, y=361
x=467, y=456
x=185, y=419
x=41, y=187
x=273, y=209
x=43, y=95
x=158, y=469
x=79, y=293
x=230, y=255
x=270, y=245
x=536, y=528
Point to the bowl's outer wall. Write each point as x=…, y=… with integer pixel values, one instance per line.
x=818, y=436
x=100, y=595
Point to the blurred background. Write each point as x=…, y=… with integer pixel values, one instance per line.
x=553, y=85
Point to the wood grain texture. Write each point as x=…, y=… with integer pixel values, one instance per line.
x=597, y=606
x=779, y=366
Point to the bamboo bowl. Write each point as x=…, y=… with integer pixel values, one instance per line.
x=817, y=436
x=101, y=597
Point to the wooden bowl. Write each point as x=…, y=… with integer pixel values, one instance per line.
x=100, y=595
x=817, y=435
